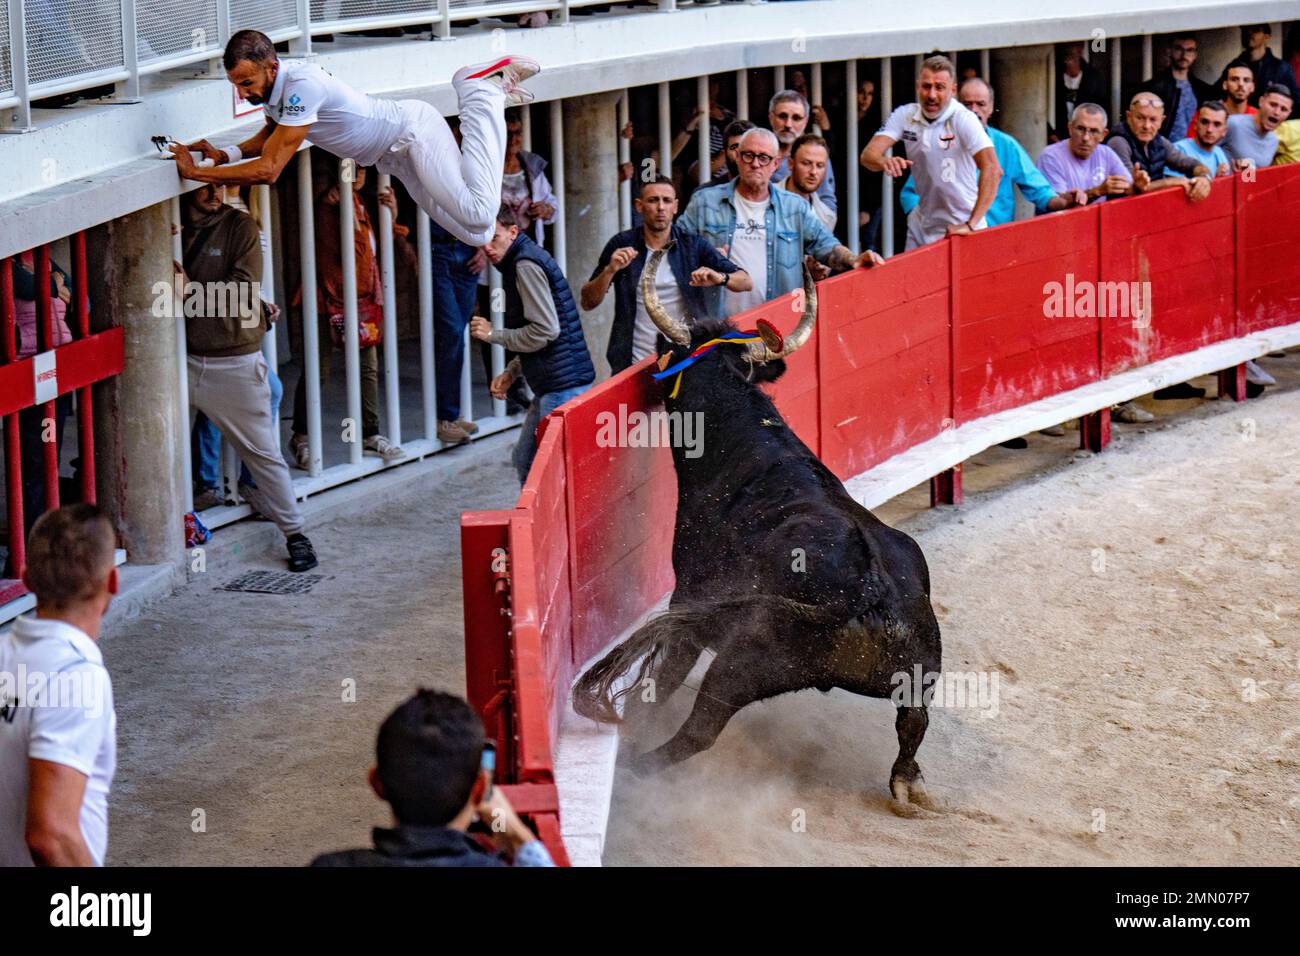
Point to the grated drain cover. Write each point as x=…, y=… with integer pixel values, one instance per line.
x=273, y=582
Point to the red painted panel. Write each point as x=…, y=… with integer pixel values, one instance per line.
x=79, y=363
x=795, y=393
x=1268, y=218
x=533, y=703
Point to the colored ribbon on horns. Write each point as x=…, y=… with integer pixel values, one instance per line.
x=734, y=337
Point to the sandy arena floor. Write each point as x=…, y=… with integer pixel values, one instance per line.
x=1140, y=609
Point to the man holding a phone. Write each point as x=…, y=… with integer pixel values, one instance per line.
x=434, y=769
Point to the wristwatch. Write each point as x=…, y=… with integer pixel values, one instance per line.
x=726, y=280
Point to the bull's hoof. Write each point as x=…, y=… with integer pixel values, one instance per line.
x=910, y=799
x=922, y=798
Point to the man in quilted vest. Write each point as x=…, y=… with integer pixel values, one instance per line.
x=542, y=328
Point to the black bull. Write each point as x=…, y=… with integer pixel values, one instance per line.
x=789, y=581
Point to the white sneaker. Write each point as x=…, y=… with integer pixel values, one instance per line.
x=1132, y=413
x=1257, y=376
x=508, y=73
x=382, y=447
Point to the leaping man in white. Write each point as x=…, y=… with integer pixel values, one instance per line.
x=460, y=187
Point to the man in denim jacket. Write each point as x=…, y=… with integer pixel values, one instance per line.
x=766, y=232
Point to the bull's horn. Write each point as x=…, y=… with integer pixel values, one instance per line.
x=799, y=335
x=674, y=329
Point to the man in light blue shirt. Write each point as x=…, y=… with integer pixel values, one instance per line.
x=1204, y=146
x=1017, y=168
x=766, y=232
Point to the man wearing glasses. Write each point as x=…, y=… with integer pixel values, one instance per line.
x=1140, y=147
x=1083, y=161
x=787, y=117
x=766, y=232
x=1179, y=88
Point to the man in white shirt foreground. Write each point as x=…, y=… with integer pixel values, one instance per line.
x=949, y=152
x=458, y=186
x=58, y=745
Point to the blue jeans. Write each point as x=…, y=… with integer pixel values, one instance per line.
x=205, y=443
x=543, y=405
x=454, y=290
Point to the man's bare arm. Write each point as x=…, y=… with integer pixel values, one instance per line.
x=873, y=156
x=274, y=154
x=54, y=795
x=990, y=175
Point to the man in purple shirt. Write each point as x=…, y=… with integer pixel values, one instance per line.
x=1083, y=161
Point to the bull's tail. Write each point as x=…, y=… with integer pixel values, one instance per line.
x=595, y=693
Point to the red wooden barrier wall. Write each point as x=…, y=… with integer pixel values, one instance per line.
x=945, y=334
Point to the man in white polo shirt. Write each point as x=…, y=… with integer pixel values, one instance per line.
x=58, y=745
x=949, y=152
x=458, y=186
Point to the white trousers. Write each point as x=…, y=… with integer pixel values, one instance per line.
x=458, y=186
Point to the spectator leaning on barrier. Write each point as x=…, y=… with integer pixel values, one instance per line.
x=1204, y=144
x=224, y=322
x=542, y=327
x=429, y=770
x=809, y=160
x=1077, y=81
x=769, y=233
x=1253, y=140
x=1177, y=87
x=1141, y=148
x=1264, y=66
x=693, y=264
x=58, y=743
x=1084, y=161
x=787, y=116
x=1018, y=170
x=955, y=164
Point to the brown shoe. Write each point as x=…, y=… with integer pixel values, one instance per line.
x=450, y=433
x=468, y=427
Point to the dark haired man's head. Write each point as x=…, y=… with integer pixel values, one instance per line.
x=808, y=158
x=251, y=65
x=1238, y=83
x=657, y=204
x=731, y=137
x=1211, y=123
x=428, y=760
x=70, y=563
x=506, y=233
x=1275, y=104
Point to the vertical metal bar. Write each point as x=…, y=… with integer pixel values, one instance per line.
x=310, y=328
x=667, y=6
x=887, y=182
x=557, y=167
x=1036, y=148
x=130, y=51
x=1116, y=80
x=665, y=132
x=301, y=44
x=470, y=351
x=85, y=397
x=742, y=94
x=18, y=63
x=45, y=339
x=428, y=371
x=526, y=126
x=778, y=77
x=986, y=66
x=1147, y=58
x=183, y=372
x=223, y=23
x=351, y=336
x=13, y=445
x=704, y=156
x=267, y=237
x=444, y=19
x=497, y=314
x=388, y=277
x=852, y=168
x=815, y=90
x=624, y=157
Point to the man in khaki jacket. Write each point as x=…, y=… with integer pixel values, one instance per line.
x=224, y=323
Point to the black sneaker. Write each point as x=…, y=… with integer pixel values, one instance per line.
x=302, y=556
x=1016, y=443
x=1181, y=390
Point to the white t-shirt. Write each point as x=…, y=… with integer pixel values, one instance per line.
x=56, y=704
x=749, y=252
x=344, y=121
x=644, y=331
x=942, y=152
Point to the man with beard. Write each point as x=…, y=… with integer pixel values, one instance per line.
x=787, y=117
x=954, y=162
x=809, y=159
x=693, y=264
x=1178, y=88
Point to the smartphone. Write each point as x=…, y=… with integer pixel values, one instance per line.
x=490, y=765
